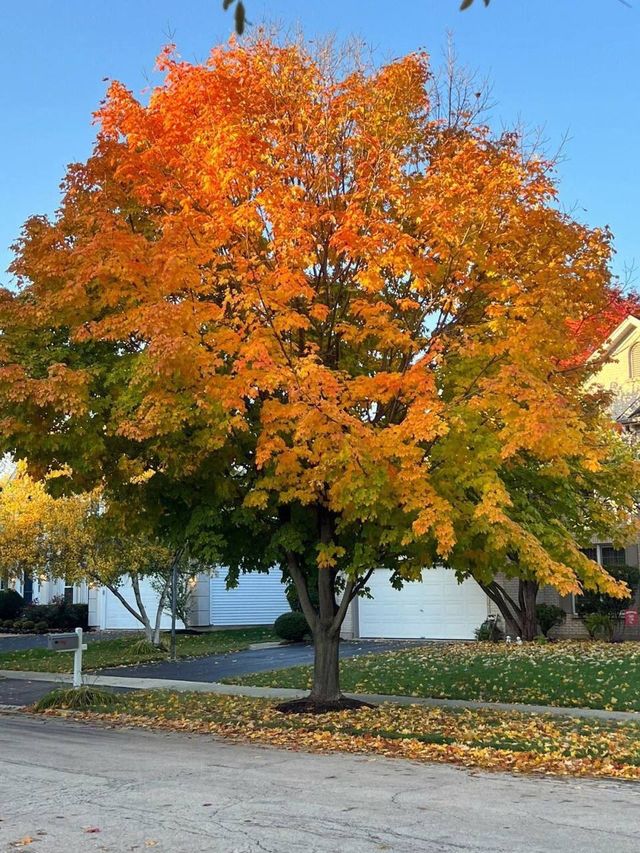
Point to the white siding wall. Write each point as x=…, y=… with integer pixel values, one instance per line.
x=258, y=599
x=200, y=601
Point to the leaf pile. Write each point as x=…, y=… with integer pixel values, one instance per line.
x=570, y=674
x=474, y=738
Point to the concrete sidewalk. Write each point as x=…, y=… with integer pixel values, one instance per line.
x=286, y=693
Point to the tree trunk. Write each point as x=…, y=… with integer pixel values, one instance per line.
x=325, y=624
x=152, y=632
x=519, y=616
x=151, y=636
x=507, y=606
x=326, y=666
x=527, y=593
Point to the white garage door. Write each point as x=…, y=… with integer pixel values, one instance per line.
x=257, y=600
x=109, y=612
x=438, y=608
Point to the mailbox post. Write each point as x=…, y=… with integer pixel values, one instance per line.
x=70, y=643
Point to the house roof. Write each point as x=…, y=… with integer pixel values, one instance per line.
x=628, y=412
x=620, y=333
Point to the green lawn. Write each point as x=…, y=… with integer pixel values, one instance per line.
x=480, y=738
x=573, y=674
x=132, y=650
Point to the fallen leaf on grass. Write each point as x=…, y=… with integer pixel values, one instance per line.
x=483, y=738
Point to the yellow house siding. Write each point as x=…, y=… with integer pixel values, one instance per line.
x=616, y=373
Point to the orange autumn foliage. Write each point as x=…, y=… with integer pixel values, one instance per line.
x=286, y=252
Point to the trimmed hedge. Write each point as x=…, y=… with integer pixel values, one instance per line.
x=58, y=617
x=291, y=626
x=48, y=617
x=548, y=616
x=11, y=603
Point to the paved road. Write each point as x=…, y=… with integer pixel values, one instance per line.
x=215, y=667
x=185, y=794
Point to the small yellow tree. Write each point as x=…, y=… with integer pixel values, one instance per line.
x=32, y=526
x=81, y=538
x=108, y=548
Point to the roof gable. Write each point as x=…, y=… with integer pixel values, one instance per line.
x=618, y=337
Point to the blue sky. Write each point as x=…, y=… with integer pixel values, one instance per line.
x=569, y=66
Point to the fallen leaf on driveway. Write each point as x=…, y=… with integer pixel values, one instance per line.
x=92, y=829
x=150, y=843
x=23, y=842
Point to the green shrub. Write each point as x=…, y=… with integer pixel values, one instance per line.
x=59, y=616
x=548, y=616
x=144, y=647
x=41, y=627
x=490, y=632
x=595, y=602
x=7, y=624
x=78, y=699
x=27, y=625
x=11, y=603
x=291, y=626
x=600, y=626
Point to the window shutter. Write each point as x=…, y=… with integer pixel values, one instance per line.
x=634, y=361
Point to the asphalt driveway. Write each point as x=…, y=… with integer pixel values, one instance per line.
x=215, y=667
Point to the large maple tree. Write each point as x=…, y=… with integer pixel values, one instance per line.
x=284, y=297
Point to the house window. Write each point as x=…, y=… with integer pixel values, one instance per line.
x=611, y=556
x=605, y=555
x=634, y=361
x=68, y=593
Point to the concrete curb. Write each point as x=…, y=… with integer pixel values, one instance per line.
x=286, y=693
x=158, y=684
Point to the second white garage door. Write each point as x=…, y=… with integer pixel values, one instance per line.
x=438, y=608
